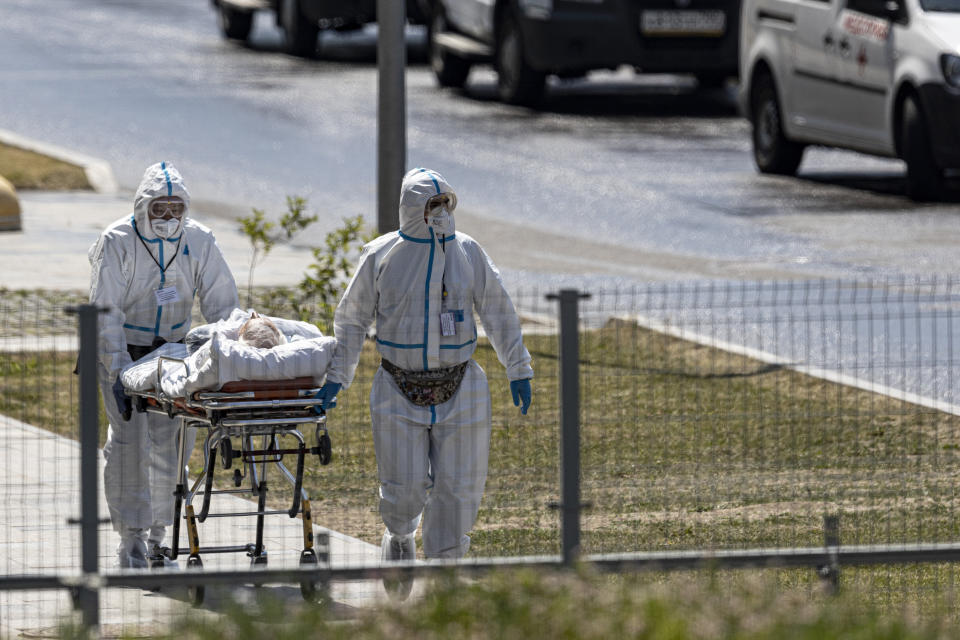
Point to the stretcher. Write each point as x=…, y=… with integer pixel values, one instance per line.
x=250, y=427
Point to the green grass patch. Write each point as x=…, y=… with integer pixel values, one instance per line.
x=683, y=447
x=31, y=170
x=523, y=604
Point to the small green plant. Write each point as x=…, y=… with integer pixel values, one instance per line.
x=264, y=235
x=315, y=297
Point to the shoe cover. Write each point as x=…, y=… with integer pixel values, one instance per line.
x=398, y=547
x=393, y=548
x=132, y=550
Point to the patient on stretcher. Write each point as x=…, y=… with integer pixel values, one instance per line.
x=244, y=346
x=260, y=332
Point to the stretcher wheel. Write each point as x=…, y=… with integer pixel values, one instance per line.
x=324, y=449
x=226, y=453
x=237, y=478
x=195, y=593
x=259, y=561
x=312, y=590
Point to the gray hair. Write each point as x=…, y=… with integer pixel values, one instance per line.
x=260, y=332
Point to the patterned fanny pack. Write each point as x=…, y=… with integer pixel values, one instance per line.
x=425, y=388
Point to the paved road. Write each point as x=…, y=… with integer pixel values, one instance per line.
x=620, y=178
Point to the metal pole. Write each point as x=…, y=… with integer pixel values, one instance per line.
x=570, y=505
x=391, y=111
x=88, y=597
x=830, y=572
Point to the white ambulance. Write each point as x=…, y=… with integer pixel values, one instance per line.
x=876, y=76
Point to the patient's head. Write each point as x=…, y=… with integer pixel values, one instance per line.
x=260, y=332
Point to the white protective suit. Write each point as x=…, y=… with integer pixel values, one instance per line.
x=130, y=265
x=431, y=460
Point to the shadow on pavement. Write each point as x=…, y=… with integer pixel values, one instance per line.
x=881, y=183
x=675, y=96
x=251, y=599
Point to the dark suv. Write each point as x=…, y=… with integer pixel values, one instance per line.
x=301, y=20
x=527, y=40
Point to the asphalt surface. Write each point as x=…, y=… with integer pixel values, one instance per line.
x=619, y=181
x=619, y=178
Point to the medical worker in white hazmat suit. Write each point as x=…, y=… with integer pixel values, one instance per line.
x=146, y=268
x=430, y=403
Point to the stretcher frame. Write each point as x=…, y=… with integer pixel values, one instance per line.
x=249, y=411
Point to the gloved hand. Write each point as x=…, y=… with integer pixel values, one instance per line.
x=521, y=391
x=124, y=403
x=328, y=395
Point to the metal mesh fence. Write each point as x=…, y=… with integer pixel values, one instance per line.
x=714, y=416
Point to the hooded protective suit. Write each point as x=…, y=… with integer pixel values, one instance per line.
x=148, y=284
x=431, y=459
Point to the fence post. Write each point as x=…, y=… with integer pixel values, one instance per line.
x=569, y=422
x=87, y=596
x=830, y=572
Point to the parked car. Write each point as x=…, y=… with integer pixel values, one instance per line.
x=877, y=76
x=528, y=40
x=301, y=20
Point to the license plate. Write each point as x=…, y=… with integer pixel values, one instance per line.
x=670, y=23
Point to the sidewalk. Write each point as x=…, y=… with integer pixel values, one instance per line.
x=40, y=492
x=59, y=227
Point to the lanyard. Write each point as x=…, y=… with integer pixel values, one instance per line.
x=163, y=269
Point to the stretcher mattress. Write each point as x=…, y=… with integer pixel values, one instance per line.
x=212, y=357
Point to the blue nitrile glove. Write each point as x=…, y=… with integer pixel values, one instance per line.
x=521, y=392
x=124, y=404
x=328, y=395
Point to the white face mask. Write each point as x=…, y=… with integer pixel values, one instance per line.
x=165, y=228
x=441, y=223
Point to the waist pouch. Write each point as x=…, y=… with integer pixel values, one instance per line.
x=426, y=388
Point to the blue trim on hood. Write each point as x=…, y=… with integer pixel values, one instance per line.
x=443, y=240
x=436, y=185
x=163, y=165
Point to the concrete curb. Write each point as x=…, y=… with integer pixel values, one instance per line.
x=9, y=207
x=99, y=174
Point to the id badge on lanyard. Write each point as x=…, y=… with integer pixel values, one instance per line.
x=167, y=295
x=448, y=327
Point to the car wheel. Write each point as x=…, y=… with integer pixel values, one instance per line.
x=924, y=177
x=235, y=24
x=450, y=70
x=300, y=35
x=517, y=83
x=773, y=152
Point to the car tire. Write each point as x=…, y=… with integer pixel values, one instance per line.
x=773, y=152
x=517, y=82
x=235, y=24
x=451, y=71
x=924, y=177
x=300, y=35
